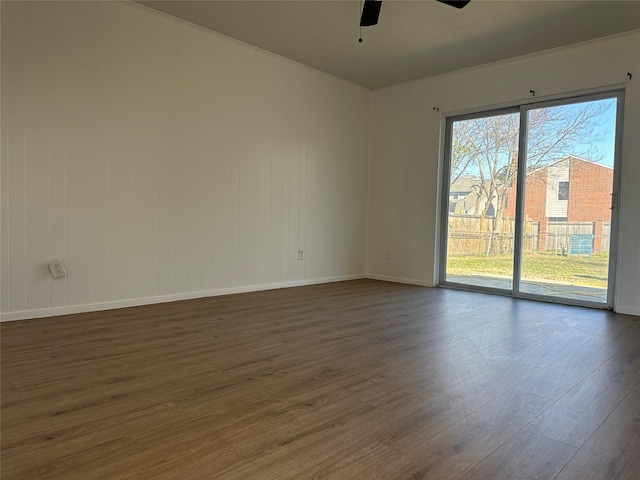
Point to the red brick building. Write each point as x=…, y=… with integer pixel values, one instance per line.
x=569, y=190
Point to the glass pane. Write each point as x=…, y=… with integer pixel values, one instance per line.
x=569, y=180
x=480, y=233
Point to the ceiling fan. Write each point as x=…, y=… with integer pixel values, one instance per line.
x=371, y=10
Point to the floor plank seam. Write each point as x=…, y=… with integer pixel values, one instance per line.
x=524, y=429
x=623, y=397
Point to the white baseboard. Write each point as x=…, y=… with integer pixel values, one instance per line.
x=627, y=310
x=136, y=302
x=94, y=307
x=408, y=281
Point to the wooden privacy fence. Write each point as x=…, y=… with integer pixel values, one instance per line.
x=474, y=235
x=559, y=235
x=606, y=236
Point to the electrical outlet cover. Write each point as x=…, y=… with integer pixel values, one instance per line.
x=57, y=268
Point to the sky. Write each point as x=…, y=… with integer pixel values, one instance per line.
x=607, y=145
x=606, y=129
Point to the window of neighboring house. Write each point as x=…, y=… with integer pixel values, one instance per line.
x=457, y=195
x=563, y=190
x=557, y=219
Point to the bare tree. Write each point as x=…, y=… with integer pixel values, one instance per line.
x=487, y=148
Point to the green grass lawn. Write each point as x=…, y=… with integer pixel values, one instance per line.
x=573, y=269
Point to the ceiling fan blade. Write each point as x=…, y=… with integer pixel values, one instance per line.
x=455, y=3
x=370, y=12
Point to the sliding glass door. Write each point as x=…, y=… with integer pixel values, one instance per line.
x=568, y=199
x=483, y=163
x=528, y=197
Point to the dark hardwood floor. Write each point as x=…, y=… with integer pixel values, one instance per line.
x=354, y=380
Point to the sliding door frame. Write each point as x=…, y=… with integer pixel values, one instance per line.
x=523, y=110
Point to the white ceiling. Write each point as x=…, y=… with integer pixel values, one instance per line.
x=413, y=39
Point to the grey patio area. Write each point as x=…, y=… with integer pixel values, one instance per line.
x=546, y=289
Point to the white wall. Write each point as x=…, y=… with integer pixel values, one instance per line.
x=159, y=161
x=405, y=149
